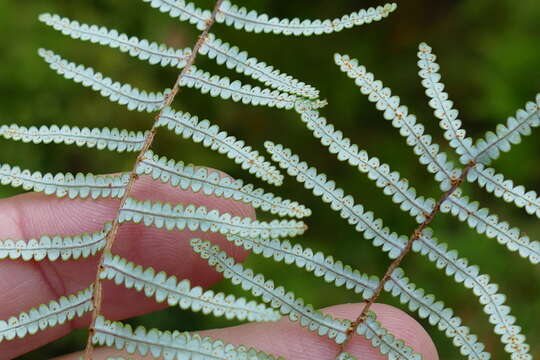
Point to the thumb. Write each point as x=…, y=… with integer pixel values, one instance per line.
x=291, y=341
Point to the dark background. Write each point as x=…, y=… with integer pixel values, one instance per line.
x=488, y=51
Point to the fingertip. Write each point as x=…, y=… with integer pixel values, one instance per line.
x=396, y=321
x=291, y=341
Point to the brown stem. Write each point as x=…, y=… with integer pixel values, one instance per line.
x=414, y=236
x=98, y=291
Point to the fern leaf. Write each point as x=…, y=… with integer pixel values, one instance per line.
x=209, y=135
x=55, y=313
x=234, y=58
x=167, y=288
x=140, y=100
x=195, y=218
x=55, y=248
x=384, y=341
x=61, y=185
x=496, y=184
x=142, y=49
x=405, y=195
x=200, y=179
x=249, y=20
x=278, y=297
x=124, y=94
x=390, y=181
x=490, y=147
x=321, y=265
x=427, y=151
x=484, y=222
x=226, y=89
x=166, y=344
x=364, y=221
x=242, y=19
x=442, y=107
x=164, y=55
x=323, y=188
x=105, y=138
x=470, y=276
x=427, y=307
x=183, y=11
x=382, y=96
x=335, y=272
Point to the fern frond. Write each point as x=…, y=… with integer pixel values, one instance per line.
x=364, y=221
x=483, y=222
x=405, y=195
x=249, y=20
x=428, y=307
x=496, y=184
x=200, y=179
x=54, y=248
x=61, y=185
x=166, y=344
x=335, y=272
x=161, y=54
x=167, y=288
x=142, y=49
x=183, y=11
x=226, y=89
x=319, y=264
x=490, y=299
x=390, y=181
x=427, y=151
x=448, y=260
x=384, y=341
x=443, y=108
x=123, y=94
x=55, y=313
x=224, y=53
x=210, y=136
x=278, y=297
x=490, y=147
x=140, y=100
x=195, y=218
x=105, y=138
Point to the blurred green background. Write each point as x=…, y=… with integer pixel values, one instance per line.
x=489, y=54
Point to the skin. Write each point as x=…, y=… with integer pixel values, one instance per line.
x=27, y=284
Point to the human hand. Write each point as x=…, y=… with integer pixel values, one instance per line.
x=24, y=285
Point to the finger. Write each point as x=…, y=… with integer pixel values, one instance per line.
x=27, y=284
x=291, y=341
